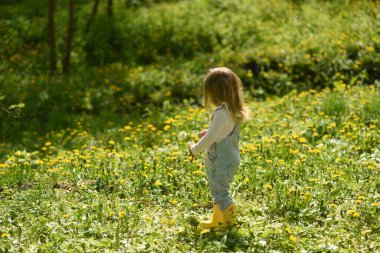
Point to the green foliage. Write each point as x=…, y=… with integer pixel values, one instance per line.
x=133, y=4
x=160, y=50
x=104, y=43
x=142, y=38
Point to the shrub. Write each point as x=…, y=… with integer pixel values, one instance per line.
x=104, y=43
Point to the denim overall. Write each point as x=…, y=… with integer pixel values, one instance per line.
x=222, y=162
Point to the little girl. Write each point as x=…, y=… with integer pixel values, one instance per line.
x=223, y=89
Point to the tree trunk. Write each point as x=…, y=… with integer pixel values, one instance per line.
x=110, y=8
x=70, y=35
x=51, y=38
x=93, y=15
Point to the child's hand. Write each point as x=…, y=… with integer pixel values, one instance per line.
x=202, y=133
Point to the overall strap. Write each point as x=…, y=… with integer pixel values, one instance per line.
x=233, y=130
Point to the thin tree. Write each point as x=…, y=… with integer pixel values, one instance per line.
x=51, y=37
x=93, y=15
x=69, y=41
x=110, y=8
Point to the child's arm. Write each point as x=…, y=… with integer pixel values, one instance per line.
x=211, y=135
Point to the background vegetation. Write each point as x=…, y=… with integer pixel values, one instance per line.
x=151, y=51
x=95, y=157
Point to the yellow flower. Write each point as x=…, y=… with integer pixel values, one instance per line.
x=4, y=235
x=332, y=125
x=246, y=180
x=294, y=152
x=369, y=49
x=198, y=172
x=249, y=73
x=158, y=183
x=39, y=162
x=356, y=215
x=268, y=187
x=111, y=142
x=293, y=239
x=302, y=140
x=292, y=190
x=376, y=204
x=122, y=214
x=65, y=216
x=172, y=222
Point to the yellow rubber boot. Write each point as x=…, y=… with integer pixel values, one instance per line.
x=229, y=215
x=217, y=219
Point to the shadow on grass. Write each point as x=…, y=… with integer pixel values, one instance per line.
x=230, y=239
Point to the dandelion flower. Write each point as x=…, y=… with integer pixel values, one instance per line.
x=4, y=235
x=302, y=140
x=293, y=239
x=268, y=187
x=122, y=214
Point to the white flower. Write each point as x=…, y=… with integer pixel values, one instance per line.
x=262, y=243
x=332, y=247
x=182, y=135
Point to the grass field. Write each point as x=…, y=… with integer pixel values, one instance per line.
x=309, y=181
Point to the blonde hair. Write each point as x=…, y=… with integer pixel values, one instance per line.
x=221, y=85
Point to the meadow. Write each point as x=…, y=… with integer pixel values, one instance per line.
x=309, y=181
x=95, y=159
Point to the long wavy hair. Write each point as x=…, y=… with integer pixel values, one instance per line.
x=221, y=85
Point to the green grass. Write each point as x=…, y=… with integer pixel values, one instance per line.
x=97, y=160
x=309, y=180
